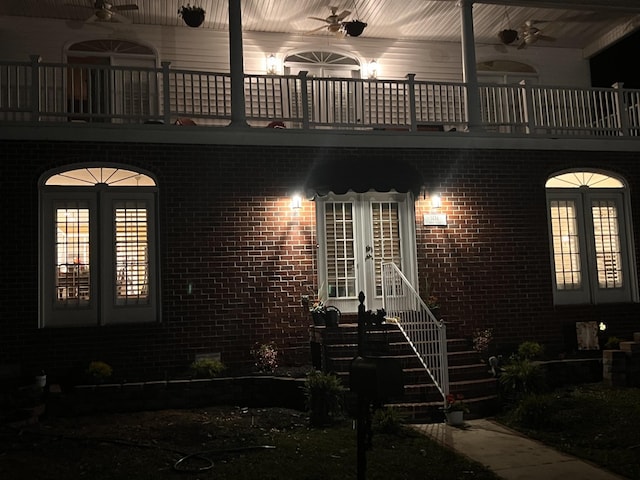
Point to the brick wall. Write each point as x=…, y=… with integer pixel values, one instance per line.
x=227, y=230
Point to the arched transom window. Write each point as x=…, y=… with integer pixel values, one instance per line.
x=590, y=236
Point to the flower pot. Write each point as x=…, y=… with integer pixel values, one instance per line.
x=455, y=418
x=319, y=319
x=332, y=317
x=193, y=18
x=40, y=381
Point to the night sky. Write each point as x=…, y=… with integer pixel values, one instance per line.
x=617, y=64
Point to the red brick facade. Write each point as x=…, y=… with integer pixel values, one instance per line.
x=236, y=259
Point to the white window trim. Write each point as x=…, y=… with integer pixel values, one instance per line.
x=101, y=309
x=409, y=267
x=590, y=293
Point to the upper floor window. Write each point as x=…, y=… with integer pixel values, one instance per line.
x=590, y=234
x=98, y=247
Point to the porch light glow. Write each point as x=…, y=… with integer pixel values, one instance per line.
x=436, y=200
x=296, y=201
x=272, y=65
x=372, y=69
x=602, y=326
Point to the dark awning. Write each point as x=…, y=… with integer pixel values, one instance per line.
x=339, y=175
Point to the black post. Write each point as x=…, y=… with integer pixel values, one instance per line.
x=363, y=402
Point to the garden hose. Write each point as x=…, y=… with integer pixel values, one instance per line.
x=178, y=466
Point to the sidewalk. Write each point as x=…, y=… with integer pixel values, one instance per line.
x=511, y=455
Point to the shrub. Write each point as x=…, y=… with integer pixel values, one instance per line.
x=266, y=357
x=535, y=411
x=530, y=350
x=99, y=371
x=387, y=420
x=613, y=343
x=324, y=397
x=206, y=368
x=521, y=377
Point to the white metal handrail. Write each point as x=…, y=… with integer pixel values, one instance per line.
x=59, y=92
x=425, y=333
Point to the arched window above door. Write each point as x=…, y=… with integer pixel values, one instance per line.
x=322, y=63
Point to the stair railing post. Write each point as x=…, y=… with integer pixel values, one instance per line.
x=363, y=401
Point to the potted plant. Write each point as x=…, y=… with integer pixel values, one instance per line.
x=434, y=306
x=192, y=15
x=455, y=409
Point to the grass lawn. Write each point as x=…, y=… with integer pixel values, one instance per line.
x=595, y=422
x=146, y=445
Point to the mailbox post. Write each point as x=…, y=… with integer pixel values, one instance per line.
x=374, y=379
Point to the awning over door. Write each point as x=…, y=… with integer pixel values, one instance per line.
x=340, y=175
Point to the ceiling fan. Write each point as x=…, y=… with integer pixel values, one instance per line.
x=104, y=11
x=334, y=22
x=530, y=34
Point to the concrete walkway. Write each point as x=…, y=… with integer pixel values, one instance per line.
x=511, y=455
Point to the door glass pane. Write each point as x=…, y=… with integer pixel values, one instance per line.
x=386, y=238
x=72, y=255
x=340, y=241
x=566, y=246
x=131, y=250
x=607, y=243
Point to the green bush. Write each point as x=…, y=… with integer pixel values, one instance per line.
x=99, y=371
x=387, y=420
x=521, y=377
x=535, y=411
x=324, y=394
x=613, y=343
x=207, y=368
x=530, y=350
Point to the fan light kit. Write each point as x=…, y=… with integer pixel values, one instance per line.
x=104, y=11
x=335, y=24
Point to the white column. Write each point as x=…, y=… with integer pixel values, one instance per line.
x=236, y=65
x=469, y=72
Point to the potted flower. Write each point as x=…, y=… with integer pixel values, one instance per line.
x=454, y=409
x=434, y=306
x=192, y=15
x=318, y=313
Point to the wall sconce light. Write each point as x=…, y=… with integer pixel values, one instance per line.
x=436, y=200
x=296, y=201
x=372, y=69
x=272, y=65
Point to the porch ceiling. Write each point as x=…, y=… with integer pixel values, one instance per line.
x=591, y=25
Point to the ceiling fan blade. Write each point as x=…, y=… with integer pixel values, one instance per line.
x=344, y=14
x=120, y=8
x=116, y=17
x=545, y=37
x=315, y=30
x=321, y=19
x=522, y=45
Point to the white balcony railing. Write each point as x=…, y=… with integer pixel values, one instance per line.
x=55, y=92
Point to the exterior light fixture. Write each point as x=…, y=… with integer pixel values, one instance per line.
x=296, y=201
x=602, y=326
x=436, y=200
x=272, y=64
x=372, y=69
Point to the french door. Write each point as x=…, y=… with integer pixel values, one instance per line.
x=358, y=233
